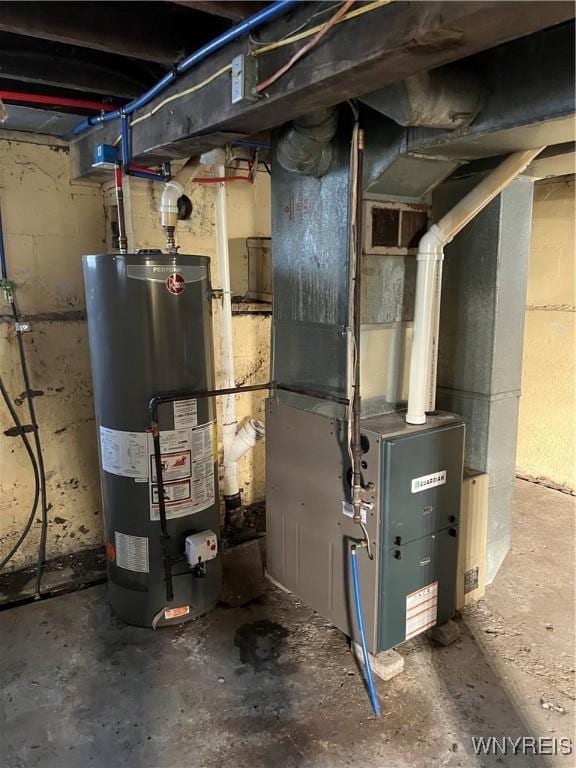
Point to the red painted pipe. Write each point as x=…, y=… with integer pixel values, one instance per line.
x=219, y=179
x=55, y=101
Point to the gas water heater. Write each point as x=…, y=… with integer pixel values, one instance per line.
x=150, y=331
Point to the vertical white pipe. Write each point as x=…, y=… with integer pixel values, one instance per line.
x=434, y=338
x=429, y=253
x=424, y=359
x=229, y=422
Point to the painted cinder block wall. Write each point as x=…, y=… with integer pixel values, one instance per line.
x=49, y=222
x=547, y=431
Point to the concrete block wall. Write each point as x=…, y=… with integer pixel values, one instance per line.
x=49, y=223
x=546, y=434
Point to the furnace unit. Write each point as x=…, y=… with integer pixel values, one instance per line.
x=411, y=475
x=411, y=513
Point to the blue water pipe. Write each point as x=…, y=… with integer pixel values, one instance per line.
x=360, y=621
x=276, y=8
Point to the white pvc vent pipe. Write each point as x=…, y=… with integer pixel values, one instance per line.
x=424, y=358
x=230, y=486
x=169, y=203
x=251, y=431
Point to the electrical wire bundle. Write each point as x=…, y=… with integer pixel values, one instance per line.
x=34, y=454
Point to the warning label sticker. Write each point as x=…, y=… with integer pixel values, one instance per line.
x=421, y=610
x=187, y=470
x=175, y=466
x=185, y=414
x=131, y=552
x=124, y=453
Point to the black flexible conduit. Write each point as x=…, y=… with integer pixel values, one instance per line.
x=38, y=463
x=30, y=452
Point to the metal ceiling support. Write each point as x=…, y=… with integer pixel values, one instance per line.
x=384, y=46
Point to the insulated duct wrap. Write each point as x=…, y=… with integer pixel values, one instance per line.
x=305, y=145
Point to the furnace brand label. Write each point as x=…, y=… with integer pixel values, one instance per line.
x=187, y=470
x=124, y=453
x=426, y=482
x=421, y=610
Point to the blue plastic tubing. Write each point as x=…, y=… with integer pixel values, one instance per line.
x=360, y=621
x=276, y=8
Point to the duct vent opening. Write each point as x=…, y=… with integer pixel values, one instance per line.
x=394, y=228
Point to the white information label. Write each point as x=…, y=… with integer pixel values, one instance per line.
x=131, y=552
x=421, y=610
x=185, y=414
x=124, y=453
x=426, y=482
x=187, y=457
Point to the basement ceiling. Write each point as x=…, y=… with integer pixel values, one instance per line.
x=104, y=52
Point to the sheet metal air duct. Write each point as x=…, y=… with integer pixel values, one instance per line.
x=449, y=98
x=305, y=145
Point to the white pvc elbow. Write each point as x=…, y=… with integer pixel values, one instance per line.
x=251, y=431
x=169, y=203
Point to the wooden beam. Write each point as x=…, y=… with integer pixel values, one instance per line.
x=155, y=32
x=358, y=56
x=235, y=11
x=34, y=61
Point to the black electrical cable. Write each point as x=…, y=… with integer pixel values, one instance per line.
x=30, y=452
x=39, y=459
x=39, y=455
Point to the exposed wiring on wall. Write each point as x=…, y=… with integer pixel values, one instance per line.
x=39, y=458
x=324, y=29
x=361, y=631
x=32, y=516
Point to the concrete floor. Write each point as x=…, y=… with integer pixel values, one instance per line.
x=272, y=684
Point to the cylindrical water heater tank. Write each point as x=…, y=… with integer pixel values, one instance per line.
x=150, y=331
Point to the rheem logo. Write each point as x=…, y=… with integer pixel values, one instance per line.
x=175, y=283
